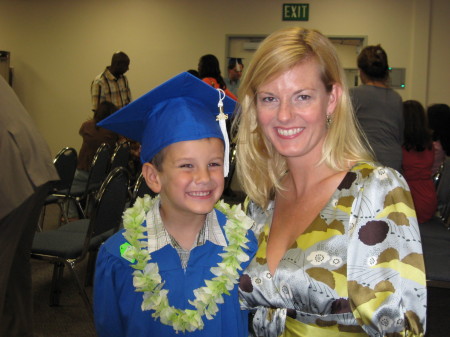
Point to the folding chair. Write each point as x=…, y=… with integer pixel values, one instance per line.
x=65, y=163
x=121, y=155
x=443, y=192
x=69, y=244
x=140, y=189
x=97, y=173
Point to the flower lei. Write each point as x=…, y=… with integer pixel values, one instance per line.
x=146, y=277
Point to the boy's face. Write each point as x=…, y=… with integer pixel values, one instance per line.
x=191, y=180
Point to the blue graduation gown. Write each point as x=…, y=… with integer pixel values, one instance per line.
x=117, y=306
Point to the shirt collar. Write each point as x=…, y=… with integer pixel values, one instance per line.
x=109, y=75
x=158, y=237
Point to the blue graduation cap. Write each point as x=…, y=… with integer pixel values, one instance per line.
x=183, y=108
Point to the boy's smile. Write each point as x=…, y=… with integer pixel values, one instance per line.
x=191, y=180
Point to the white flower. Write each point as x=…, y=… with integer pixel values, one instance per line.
x=385, y=322
x=336, y=261
x=146, y=277
x=351, y=225
x=334, y=202
x=381, y=173
x=372, y=261
x=318, y=257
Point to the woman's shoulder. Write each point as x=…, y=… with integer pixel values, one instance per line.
x=367, y=168
x=375, y=178
x=87, y=125
x=211, y=81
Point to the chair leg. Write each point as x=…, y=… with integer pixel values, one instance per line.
x=82, y=290
x=64, y=210
x=55, y=290
x=81, y=212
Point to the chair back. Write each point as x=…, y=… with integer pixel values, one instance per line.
x=443, y=192
x=437, y=176
x=65, y=163
x=121, y=155
x=110, y=203
x=99, y=168
x=140, y=189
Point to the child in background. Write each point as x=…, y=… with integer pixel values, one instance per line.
x=175, y=266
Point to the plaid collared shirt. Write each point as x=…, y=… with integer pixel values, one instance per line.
x=106, y=87
x=158, y=237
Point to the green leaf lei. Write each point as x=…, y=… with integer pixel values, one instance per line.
x=146, y=277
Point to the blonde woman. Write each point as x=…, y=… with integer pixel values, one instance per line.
x=339, y=247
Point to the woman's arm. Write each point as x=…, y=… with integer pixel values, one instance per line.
x=386, y=275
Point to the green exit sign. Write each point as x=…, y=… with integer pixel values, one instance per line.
x=295, y=12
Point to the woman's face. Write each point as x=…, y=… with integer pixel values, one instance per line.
x=292, y=109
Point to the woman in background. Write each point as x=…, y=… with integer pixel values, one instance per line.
x=418, y=158
x=209, y=72
x=439, y=123
x=378, y=108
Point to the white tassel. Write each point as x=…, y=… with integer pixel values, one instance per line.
x=221, y=117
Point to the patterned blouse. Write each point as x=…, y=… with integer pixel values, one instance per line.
x=357, y=270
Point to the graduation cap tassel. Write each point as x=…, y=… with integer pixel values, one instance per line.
x=221, y=117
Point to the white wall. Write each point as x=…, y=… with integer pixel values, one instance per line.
x=58, y=46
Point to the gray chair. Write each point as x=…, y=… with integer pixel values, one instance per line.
x=121, y=155
x=65, y=163
x=69, y=244
x=140, y=189
x=82, y=195
x=435, y=238
x=437, y=176
x=443, y=192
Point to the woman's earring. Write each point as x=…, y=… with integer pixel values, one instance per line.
x=329, y=120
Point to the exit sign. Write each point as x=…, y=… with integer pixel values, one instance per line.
x=295, y=12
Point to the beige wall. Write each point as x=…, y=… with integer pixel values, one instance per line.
x=57, y=47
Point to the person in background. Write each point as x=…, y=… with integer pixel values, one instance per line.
x=193, y=72
x=112, y=84
x=174, y=270
x=439, y=123
x=339, y=244
x=93, y=136
x=235, y=68
x=27, y=177
x=209, y=72
x=418, y=158
x=379, y=108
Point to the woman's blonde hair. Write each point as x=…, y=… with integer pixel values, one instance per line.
x=260, y=167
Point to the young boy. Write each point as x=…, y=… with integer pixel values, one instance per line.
x=175, y=266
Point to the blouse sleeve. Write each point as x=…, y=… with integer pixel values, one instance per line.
x=385, y=267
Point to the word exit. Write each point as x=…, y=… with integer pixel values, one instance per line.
x=295, y=12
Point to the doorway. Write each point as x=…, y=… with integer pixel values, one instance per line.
x=348, y=48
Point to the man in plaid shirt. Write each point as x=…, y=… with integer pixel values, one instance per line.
x=112, y=85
